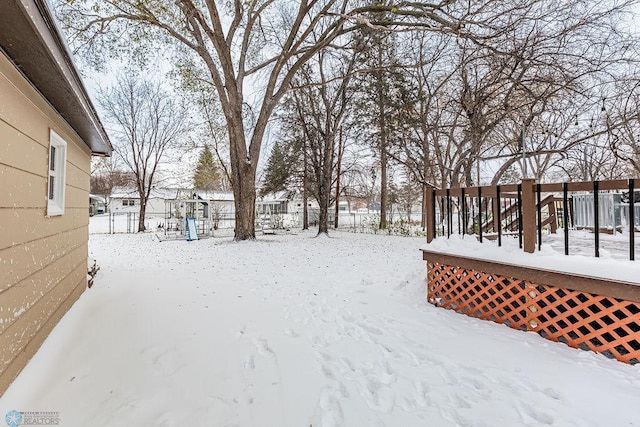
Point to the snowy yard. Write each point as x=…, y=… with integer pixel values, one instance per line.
x=293, y=330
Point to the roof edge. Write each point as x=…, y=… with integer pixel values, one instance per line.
x=76, y=80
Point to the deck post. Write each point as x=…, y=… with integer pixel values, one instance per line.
x=529, y=214
x=497, y=215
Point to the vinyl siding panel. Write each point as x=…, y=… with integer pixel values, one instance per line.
x=12, y=368
x=25, y=294
x=22, y=189
x=39, y=226
x=20, y=261
x=43, y=260
x=21, y=152
x=14, y=338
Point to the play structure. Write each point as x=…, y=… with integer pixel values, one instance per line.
x=187, y=219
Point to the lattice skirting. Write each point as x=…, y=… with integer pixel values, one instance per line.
x=582, y=320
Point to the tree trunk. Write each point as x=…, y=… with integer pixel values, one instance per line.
x=305, y=197
x=324, y=210
x=468, y=172
x=383, y=182
x=383, y=145
x=143, y=210
x=243, y=172
x=426, y=177
x=324, y=184
x=423, y=210
x=337, y=212
x=244, y=194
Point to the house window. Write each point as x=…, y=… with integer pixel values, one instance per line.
x=57, y=174
x=128, y=202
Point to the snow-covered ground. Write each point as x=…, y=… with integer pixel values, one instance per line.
x=293, y=330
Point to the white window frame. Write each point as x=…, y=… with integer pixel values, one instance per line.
x=57, y=174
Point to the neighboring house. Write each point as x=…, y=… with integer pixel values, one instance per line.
x=97, y=205
x=222, y=202
x=126, y=199
x=284, y=202
x=48, y=132
x=285, y=209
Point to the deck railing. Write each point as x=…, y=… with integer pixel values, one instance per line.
x=526, y=209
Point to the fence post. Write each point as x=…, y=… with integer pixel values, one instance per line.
x=429, y=212
x=529, y=215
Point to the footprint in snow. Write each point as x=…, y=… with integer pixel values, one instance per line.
x=241, y=332
x=318, y=341
x=452, y=415
x=377, y=396
x=421, y=392
x=400, y=285
x=326, y=357
x=448, y=378
x=263, y=347
x=530, y=414
x=291, y=333
x=384, y=374
x=412, y=359
x=475, y=383
x=552, y=393
x=285, y=313
x=330, y=405
x=249, y=362
x=347, y=317
x=327, y=372
x=407, y=404
x=460, y=402
x=346, y=363
x=370, y=329
x=366, y=282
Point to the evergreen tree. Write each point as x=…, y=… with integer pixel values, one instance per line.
x=206, y=175
x=281, y=168
x=382, y=101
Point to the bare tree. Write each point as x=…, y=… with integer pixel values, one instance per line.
x=252, y=47
x=212, y=130
x=321, y=103
x=625, y=112
x=477, y=98
x=145, y=123
x=249, y=52
x=106, y=175
x=359, y=186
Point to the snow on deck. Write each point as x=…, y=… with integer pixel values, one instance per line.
x=292, y=330
x=613, y=263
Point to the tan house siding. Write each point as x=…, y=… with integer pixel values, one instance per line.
x=43, y=260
